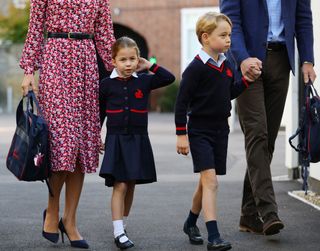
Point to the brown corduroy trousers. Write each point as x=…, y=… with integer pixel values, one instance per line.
x=260, y=110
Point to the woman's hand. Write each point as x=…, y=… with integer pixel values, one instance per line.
x=28, y=83
x=182, y=144
x=143, y=65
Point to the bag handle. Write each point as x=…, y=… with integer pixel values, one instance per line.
x=32, y=97
x=297, y=148
x=312, y=89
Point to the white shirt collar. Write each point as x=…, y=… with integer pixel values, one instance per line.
x=205, y=57
x=114, y=74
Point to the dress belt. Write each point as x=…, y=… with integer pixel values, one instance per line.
x=70, y=35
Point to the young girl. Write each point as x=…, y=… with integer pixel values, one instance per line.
x=206, y=89
x=128, y=158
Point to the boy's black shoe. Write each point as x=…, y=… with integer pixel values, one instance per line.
x=219, y=244
x=272, y=224
x=193, y=233
x=251, y=224
x=124, y=245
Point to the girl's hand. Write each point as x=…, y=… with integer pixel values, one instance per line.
x=102, y=146
x=29, y=83
x=182, y=144
x=143, y=65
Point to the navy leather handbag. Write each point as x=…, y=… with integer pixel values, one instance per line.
x=28, y=157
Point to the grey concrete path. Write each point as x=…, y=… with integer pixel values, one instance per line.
x=159, y=209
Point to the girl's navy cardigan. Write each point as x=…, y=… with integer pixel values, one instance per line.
x=204, y=95
x=125, y=101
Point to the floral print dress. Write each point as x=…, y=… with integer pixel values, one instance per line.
x=68, y=82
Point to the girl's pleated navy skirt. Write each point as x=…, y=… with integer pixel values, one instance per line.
x=128, y=157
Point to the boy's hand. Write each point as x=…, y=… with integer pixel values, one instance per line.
x=143, y=65
x=182, y=144
x=251, y=69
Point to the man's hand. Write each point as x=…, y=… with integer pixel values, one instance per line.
x=28, y=83
x=182, y=144
x=308, y=73
x=251, y=68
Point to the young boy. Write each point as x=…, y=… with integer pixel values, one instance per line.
x=205, y=92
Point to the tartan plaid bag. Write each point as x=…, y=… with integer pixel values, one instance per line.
x=28, y=154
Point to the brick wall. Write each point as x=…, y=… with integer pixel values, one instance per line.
x=159, y=23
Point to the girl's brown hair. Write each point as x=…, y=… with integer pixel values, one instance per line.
x=124, y=42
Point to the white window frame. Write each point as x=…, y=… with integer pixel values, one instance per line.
x=189, y=17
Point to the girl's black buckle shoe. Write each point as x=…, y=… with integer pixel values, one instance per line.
x=53, y=237
x=76, y=244
x=125, y=245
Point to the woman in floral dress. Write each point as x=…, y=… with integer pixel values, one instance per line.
x=68, y=95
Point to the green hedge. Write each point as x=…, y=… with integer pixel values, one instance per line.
x=14, y=25
x=168, y=98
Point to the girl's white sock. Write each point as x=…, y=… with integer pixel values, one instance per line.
x=118, y=229
x=125, y=219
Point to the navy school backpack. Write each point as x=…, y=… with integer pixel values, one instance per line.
x=28, y=157
x=308, y=132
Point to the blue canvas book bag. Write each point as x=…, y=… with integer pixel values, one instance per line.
x=28, y=157
x=308, y=132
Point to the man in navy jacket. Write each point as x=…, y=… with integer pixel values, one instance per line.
x=263, y=48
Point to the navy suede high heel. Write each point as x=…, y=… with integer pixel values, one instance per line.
x=78, y=243
x=53, y=237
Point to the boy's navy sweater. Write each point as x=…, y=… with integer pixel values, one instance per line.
x=204, y=95
x=125, y=101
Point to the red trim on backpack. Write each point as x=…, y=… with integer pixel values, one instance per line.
x=15, y=154
x=181, y=128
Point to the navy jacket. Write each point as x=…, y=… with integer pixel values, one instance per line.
x=250, y=28
x=204, y=95
x=125, y=101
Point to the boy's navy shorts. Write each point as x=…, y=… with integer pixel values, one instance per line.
x=209, y=149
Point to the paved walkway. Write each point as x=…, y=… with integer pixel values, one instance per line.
x=159, y=209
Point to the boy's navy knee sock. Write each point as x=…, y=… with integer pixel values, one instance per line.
x=213, y=231
x=192, y=219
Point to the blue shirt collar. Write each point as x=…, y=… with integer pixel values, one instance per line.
x=114, y=74
x=205, y=57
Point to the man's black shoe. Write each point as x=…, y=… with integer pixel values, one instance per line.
x=219, y=244
x=193, y=233
x=272, y=224
x=251, y=224
x=123, y=245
